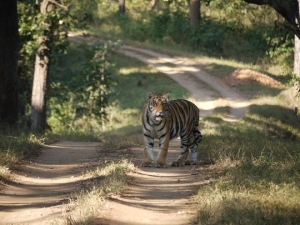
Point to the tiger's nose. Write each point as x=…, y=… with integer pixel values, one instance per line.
x=159, y=114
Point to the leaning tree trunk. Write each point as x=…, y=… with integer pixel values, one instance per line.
x=195, y=14
x=42, y=62
x=9, y=46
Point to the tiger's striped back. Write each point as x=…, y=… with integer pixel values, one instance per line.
x=184, y=116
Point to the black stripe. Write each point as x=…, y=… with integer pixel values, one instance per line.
x=163, y=135
x=148, y=136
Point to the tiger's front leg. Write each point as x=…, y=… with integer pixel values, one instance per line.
x=148, y=152
x=161, y=160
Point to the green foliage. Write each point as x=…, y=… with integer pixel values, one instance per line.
x=82, y=13
x=81, y=85
x=53, y=27
x=35, y=26
x=229, y=29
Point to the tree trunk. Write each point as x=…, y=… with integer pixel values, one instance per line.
x=121, y=6
x=38, y=99
x=42, y=62
x=153, y=4
x=9, y=46
x=194, y=12
x=297, y=50
x=297, y=56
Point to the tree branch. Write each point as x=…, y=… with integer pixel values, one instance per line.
x=290, y=12
x=259, y=2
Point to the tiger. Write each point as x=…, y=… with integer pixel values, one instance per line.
x=166, y=119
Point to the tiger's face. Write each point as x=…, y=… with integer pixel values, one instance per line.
x=157, y=105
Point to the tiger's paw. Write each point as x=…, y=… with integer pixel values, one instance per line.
x=190, y=162
x=161, y=166
x=161, y=163
x=176, y=163
x=148, y=164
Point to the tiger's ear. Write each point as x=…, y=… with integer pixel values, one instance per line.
x=168, y=95
x=149, y=95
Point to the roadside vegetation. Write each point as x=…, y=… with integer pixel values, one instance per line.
x=254, y=170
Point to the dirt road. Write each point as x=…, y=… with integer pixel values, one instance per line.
x=157, y=196
x=43, y=185
x=154, y=195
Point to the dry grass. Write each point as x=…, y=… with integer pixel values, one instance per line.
x=89, y=203
x=15, y=147
x=256, y=175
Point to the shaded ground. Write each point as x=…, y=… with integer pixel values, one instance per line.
x=43, y=185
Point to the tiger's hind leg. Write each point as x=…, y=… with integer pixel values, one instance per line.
x=194, y=155
x=194, y=140
x=184, y=152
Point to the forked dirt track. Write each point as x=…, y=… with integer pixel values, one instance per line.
x=153, y=196
x=207, y=92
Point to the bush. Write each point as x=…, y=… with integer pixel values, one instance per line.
x=80, y=92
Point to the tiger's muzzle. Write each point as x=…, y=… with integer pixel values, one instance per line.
x=159, y=116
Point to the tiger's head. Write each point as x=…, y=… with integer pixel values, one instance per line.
x=157, y=106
